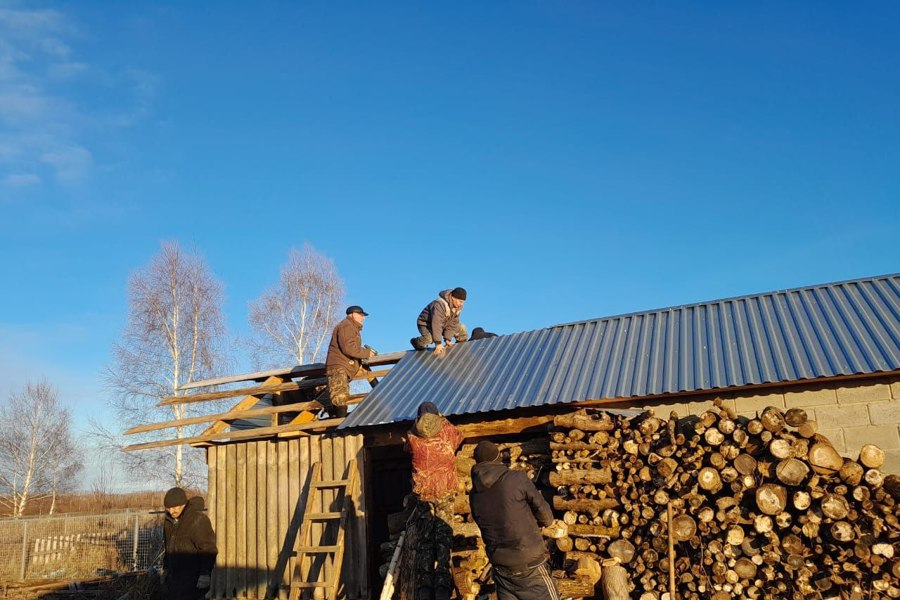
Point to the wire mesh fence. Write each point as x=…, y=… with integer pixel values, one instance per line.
x=79, y=545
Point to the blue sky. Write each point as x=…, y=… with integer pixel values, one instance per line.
x=561, y=160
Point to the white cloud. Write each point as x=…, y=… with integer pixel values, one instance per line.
x=46, y=133
x=21, y=180
x=71, y=163
x=23, y=101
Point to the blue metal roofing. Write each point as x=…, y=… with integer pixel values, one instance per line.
x=845, y=328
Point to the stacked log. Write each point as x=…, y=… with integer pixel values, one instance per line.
x=762, y=508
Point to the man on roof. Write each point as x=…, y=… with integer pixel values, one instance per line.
x=439, y=322
x=480, y=334
x=433, y=442
x=345, y=353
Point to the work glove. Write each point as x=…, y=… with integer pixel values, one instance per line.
x=203, y=582
x=439, y=350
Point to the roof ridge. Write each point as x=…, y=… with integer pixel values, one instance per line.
x=815, y=286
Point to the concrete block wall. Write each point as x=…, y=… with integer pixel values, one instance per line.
x=849, y=413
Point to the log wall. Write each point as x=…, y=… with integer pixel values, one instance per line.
x=257, y=495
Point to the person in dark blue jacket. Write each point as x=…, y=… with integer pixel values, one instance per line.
x=510, y=512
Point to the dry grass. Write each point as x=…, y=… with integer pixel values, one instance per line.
x=138, y=586
x=90, y=502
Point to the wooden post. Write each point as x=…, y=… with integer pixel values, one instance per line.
x=671, y=552
x=134, y=548
x=24, y=549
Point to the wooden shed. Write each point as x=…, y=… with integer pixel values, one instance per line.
x=833, y=349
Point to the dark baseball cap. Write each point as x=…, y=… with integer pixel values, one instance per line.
x=356, y=309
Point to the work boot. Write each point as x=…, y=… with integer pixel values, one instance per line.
x=337, y=412
x=413, y=342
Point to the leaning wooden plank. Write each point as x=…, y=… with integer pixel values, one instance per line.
x=290, y=372
x=239, y=435
x=230, y=415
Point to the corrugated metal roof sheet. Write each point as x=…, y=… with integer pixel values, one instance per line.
x=845, y=328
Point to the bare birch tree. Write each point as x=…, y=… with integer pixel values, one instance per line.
x=174, y=336
x=293, y=320
x=38, y=455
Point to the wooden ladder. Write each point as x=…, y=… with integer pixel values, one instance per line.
x=305, y=576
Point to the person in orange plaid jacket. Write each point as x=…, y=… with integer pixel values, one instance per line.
x=433, y=442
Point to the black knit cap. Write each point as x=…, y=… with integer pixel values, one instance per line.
x=175, y=497
x=459, y=293
x=428, y=407
x=486, y=451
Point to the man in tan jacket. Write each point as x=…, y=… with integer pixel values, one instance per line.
x=439, y=322
x=343, y=361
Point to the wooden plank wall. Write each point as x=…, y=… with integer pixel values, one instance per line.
x=257, y=494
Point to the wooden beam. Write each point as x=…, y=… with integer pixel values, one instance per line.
x=265, y=388
x=231, y=415
x=259, y=390
x=239, y=435
x=291, y=372
x=504, y=426
x=395, y=433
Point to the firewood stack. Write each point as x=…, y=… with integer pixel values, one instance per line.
x=763, y=508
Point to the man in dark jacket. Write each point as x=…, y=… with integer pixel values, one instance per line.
x=439, y=322
x=433, y=442
x=510, y=512
x=480, y=334
x=345, y=351
x=190, y=547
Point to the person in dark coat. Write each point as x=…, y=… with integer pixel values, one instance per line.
x=190, y=547
x=439, y=322
x=510, y=511
x=480, y=334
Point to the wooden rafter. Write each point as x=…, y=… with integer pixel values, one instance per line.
x=290, y=372
x=227, y=416
x=238, y=435
x=266, y=388
x=243, y=405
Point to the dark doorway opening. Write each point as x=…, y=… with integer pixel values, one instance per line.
x=388, y=474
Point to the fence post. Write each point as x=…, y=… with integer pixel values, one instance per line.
x=134, y=553
x=24, y=548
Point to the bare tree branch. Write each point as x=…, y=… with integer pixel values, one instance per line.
x=174, y=335
x=293, y=320
x=38, y=456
